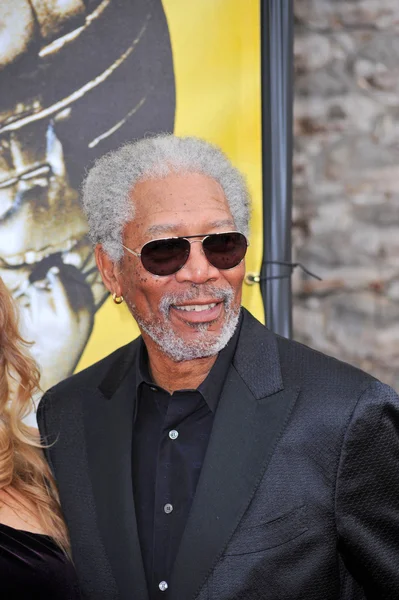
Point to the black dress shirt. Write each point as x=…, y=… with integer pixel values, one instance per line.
x=171, y=434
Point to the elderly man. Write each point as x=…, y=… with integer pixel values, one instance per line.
x=209, y=458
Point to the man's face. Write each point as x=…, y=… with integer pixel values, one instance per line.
x=193, y=312
x=42, y=228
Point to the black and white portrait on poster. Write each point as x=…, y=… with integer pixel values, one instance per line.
x=77, y=78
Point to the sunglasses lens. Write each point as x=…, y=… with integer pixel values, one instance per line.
x=164, y=257
x=225, y=250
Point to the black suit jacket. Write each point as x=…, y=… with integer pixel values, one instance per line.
x=298, y=498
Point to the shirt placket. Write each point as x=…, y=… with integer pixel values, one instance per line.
x=165, y=496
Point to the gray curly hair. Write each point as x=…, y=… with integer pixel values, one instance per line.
x=106, y=189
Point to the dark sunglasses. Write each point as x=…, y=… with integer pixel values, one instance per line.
x=169, y=255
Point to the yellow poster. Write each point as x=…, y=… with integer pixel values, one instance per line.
x=79, y=79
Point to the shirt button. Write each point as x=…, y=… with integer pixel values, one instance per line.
x=163, y=586
x=173, y=434
x=168, y=508
x=153, y=389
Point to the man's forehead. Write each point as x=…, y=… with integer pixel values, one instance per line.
x=175, y=204
x=167, y=228
x=180, y=185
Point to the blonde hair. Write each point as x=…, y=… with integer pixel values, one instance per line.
x=23, y=468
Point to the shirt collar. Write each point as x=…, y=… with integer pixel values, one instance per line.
x=212, y=386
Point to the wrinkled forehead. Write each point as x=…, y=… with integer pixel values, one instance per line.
x=178, y=203
x=178, y=192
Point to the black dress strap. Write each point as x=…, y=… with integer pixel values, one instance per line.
x=33, y=566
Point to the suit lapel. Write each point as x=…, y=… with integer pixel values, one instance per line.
x=252, y=412
x=109, y=427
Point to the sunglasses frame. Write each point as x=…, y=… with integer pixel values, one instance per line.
x=204, y=236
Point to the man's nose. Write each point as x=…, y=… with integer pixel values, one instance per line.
x=197, y=268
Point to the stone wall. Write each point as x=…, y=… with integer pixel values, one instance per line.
x=346, y=181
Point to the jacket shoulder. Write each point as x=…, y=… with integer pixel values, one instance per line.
x=321, y=371
x=297, y=364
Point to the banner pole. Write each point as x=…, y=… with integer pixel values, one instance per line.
x=277, y=103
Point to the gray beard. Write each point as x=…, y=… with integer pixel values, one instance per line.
x=204, y=344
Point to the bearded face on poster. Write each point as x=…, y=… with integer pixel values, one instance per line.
x=78, y=78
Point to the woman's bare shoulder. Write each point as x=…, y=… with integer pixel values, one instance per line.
x=17, y=512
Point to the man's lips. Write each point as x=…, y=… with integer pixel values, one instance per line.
x=198, y=312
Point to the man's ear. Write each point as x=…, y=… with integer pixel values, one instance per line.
x=109, y=270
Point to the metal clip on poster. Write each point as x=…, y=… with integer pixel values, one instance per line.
x=252, y=278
